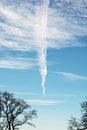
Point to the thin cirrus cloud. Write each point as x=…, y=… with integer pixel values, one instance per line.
x=72, y=76
x=47, y=95
x=44, y=102
x=17, y=63
x=25, y=26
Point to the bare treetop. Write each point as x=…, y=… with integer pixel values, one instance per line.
x=14, y=112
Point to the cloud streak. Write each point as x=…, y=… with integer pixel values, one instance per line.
x=72, y=76
x=17, y=63
x=47, y=95
x=44, y=102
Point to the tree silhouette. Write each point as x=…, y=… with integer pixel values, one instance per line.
x=14, y=112
x=79, y=124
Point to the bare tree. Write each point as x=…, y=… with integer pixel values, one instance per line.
x=79, y=124
x=84, y=113
x=14, y=112
x=75, y=124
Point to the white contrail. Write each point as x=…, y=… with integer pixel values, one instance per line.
x=43, y=67
x=41, y=30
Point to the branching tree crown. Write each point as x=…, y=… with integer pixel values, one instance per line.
x=79, y=124
x=14, y=112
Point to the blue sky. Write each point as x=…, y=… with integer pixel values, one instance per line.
x=43, y=50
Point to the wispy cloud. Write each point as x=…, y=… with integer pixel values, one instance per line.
x=72, y=76
x=27, y=93
x=17, y=63
x=47, y=95
x=44, y=102
x=27, y=25
x=8, y=13
x=63, y=95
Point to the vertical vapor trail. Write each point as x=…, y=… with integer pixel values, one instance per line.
x=43, y=67
x=41, y=30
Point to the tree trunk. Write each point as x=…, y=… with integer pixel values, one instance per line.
x=9, y=126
